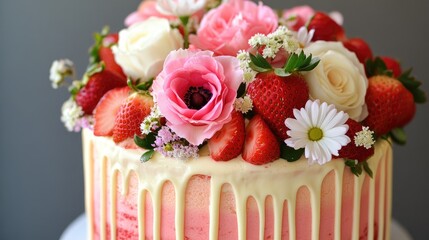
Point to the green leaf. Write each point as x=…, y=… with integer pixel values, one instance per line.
x=281, y=72
x=258, y=69
x=291, y=63
x=241, y=90
x=350, y=163
x=259, y=62
x=367, y=168
x=145, y=142
x=398, y=136
x=310, y=66
x=377, y=67
x=412, y=84
x=290, y=154
x=144, y=86
x=147, y=156
x=94, y=56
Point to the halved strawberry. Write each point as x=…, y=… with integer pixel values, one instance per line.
x=228, y=142
x=130, y=115
x=360, y=48
x=260, y=145
x=106, y=110
x=325, y=28
x=351, y=151
x=107, y=56
x=98, y=84
x=275, y=97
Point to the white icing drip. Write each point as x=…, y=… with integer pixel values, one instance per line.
x=280, y=180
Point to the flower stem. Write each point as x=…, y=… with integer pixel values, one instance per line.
x=185, y=23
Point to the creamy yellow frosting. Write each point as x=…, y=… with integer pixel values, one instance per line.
x=280, y=179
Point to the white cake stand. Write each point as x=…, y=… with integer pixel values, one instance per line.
x=77, y=230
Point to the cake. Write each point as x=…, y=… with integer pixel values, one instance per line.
x=229, y=120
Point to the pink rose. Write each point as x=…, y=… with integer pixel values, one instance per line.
x=146, y=10
x=227, y=29
x=298, y=16
x=195, y=92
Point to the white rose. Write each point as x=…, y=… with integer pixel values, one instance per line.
x=143, y=47
x=339, y=79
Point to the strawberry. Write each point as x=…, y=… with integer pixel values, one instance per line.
x=351, y=151
x=275, y=97
x=360, y=48
x=325, y=28
x=393, y=65
x=390, y=104
x=260, y=144
x=98, y=84
x=228, y=142
x=106, y=110
x=130, y=115
x=106, y=55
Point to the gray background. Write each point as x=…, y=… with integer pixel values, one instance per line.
x=40, y=163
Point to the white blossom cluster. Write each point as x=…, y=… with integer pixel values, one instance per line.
x=364, y=138
x=60, y=69
x=71, y=114
x=151, y=122
x=243, y=104
x=273, y=42
x=248, y=73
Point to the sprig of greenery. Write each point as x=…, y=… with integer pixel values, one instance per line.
x=146, y=142
x=295, y=63
x=413, y=85
x=94, y=56
x=358, y=167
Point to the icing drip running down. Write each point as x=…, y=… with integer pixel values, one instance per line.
x=203, y=199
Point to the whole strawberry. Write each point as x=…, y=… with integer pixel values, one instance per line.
x=130, y=116
x=390, y=104
x=393, y=65
x=325, y=28
x=351, y=151
x=360, y=48
x=228, y=142
x=106, y=55
x=260, y=145
x=98, y=84
x=275, y=97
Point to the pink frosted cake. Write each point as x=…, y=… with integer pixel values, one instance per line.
x=210, y=120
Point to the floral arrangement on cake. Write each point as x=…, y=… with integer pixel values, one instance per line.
x=244, y=80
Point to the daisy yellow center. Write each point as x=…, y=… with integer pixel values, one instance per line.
x=315, y=134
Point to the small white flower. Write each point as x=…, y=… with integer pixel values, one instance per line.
x=60, y=69
x=151, y=121
x=248, y=73
x=243, y=104
x=180, y=8
x=320, y=129
x=364, y=138
x=273, y=42
x=71, y=113
x=304, y=36
x=258, y=40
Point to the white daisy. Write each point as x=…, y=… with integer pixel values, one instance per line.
x=320, y=129
x=304, y=36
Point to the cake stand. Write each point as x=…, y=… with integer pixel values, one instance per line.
x=77, y=230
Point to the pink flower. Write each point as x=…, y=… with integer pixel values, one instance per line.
x=196, y=91
x=298, y=16
x=146, y=10
x=227, y=29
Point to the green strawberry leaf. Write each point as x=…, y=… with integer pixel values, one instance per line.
x=398, y=136
x=144, y=86
x=290, y=154
x=147, y=156
x=259, y=63
x=367, y=168
x=94, y=56
x=298, y=63
x=412, y=84
x=145, y=142
x=281, y=72
x=374, y=67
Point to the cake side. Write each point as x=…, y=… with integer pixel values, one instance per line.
x=306, y=198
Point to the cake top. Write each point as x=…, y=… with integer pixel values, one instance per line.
x=243, y=79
